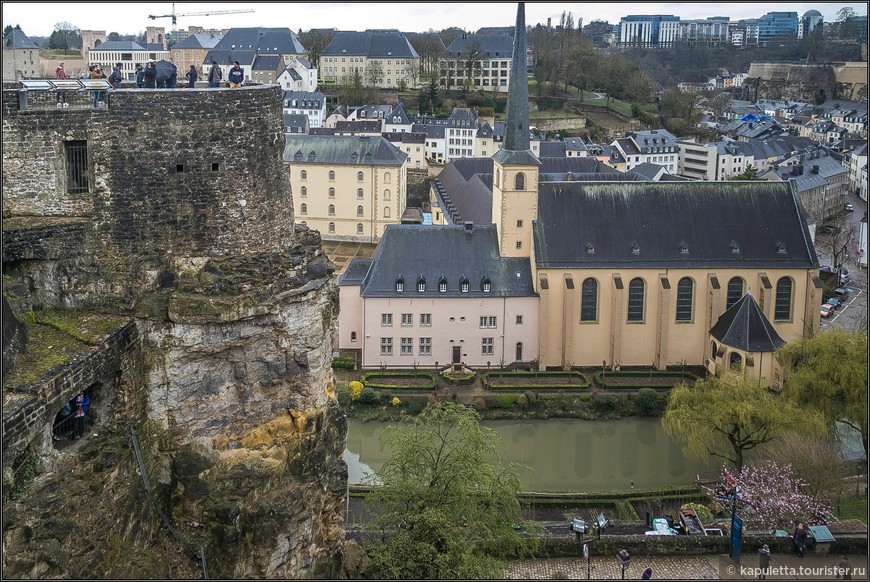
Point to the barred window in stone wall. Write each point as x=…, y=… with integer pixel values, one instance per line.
x=76, y=154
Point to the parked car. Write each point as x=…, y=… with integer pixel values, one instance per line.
x=826, y=269
x=842, y=293
x=850, y=207
x=834, y=302
x=844, y=279
x=829, y=229
x=826, y=310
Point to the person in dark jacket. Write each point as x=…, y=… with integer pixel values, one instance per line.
x=799, y=539
x=236, y=76
x=191, y=77
x=149, y=76
x=763, y=562
x=79, y=416
x=140, y=75
x=215, y=75
x=116, y=77
x=172, y=82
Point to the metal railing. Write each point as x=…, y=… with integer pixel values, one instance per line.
x=138, y=452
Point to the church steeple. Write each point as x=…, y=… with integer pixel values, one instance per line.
x=516, y=134
x=515, y=166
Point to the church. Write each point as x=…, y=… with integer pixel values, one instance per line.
x=622, y=273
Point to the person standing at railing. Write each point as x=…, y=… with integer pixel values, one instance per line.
x=60, y=73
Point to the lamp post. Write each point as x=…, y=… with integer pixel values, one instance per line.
x=623, y=559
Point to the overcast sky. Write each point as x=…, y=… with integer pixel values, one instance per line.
x=39, y=18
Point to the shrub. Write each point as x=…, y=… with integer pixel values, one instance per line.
x=370, y=396
x=395, y=401
x=531, y=396
x=479, y=403
x=647, y=401
x=344, y=363
x=342, y=393
x=522, y=401
x=506, y=400
x=605, y=402
x=356, y=389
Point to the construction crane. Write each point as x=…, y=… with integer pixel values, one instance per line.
x=174, y=16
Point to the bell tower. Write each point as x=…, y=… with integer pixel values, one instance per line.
x=515, y=166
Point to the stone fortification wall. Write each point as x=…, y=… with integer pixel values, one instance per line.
x=187, y=230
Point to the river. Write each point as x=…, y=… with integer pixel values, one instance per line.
x=563, y=454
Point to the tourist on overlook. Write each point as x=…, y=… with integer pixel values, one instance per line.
x=97, y=73
x=60, y=73
x=236, y=76
x=191, y=77
x=215, y=75
x=140, y=75
x=172, y=82
x=116, y=77
x=149, y=76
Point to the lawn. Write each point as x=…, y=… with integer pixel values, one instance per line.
x=852, y=506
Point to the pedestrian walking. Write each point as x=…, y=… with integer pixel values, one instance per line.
x=215, y=75
x=140, y=75
x=191, y=77
x=236, y=76
x=763, y=562
x=149, y=76
x=799, y=539
x=60, y=73
x=844, y=569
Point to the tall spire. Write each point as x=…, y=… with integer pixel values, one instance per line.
x=516, y=134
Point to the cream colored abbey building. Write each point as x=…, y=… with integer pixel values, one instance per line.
x=713, y=274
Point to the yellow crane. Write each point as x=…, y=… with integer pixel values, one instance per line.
x=174, y=16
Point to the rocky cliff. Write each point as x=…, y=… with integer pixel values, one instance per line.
x=217, y=362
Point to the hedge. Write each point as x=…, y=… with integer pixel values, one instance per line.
x=601, y=378
x=344, y=363
x=583, y=381
x=366, y=379
x=458, y=378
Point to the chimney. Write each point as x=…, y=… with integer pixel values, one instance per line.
x=815, y=168
x=469, y=225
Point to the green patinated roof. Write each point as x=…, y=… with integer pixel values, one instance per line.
x=333, y=149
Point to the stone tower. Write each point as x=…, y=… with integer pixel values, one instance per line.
x=91, y=39
x=155, y=35
x=515, y=179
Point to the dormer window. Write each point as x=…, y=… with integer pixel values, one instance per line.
x=780, y=248
x=635, y=248
x=684, y=248
x=463, y=285
x=590, y=250
x=421, y=285
x=735, y=248
x=486, y=285
x=442, y=285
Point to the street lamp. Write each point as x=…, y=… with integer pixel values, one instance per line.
x=623, y=559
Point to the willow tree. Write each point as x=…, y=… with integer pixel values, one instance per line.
x=828, y=373
x=727, y=415
x=446, y=507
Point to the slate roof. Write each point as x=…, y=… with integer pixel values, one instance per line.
x=405, y=136
x=491, y=45
x=226, y=57
x=451, y=253
x=199, y=40
x=16, y=39
x=399, y=115
x=718, y=224
x=120, y=45
x=267, y=63
x=338, y=149
x=361, y=126
x=647, y=170
x=293, y=74
x=265, y=41
x=370, y=44
x=315, y=99
x=553, y=149
x=745, y=327
x=431, y=131
x=295, y=122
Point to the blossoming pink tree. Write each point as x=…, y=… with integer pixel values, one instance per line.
x=772, y=495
